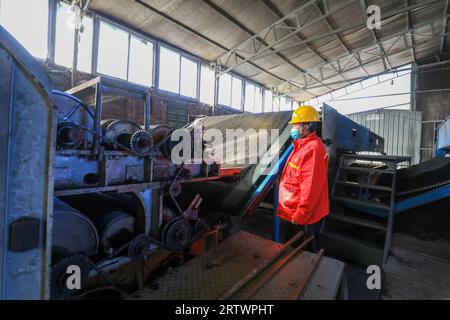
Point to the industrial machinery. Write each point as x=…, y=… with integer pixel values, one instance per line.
x=81, y=189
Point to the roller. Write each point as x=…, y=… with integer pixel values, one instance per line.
x=117, y=133
x=115, y=228
x=73, y=117
x=160, y=133
x=73, y=232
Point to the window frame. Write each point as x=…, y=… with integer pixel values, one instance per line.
x=98, y=17
x=230, y=107
x=185, y=55
x=96, y=42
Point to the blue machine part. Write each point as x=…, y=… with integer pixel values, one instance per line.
x=407, y=204
x=345, y=134
x=443, y=139
x=28, y=120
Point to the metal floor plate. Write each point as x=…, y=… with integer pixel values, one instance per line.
x=208, y=276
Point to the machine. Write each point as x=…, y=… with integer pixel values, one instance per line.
x=79, y=188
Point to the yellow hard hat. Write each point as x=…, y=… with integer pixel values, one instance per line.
x=305, y=114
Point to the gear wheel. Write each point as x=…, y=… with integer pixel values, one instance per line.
x=141, y=143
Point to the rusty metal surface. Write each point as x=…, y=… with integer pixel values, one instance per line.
x=209, y=275
x=213, y=273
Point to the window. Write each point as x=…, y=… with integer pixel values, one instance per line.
x=285, y=104
x=258, y=100
x=268, y=101
x=141, y=61
x=230, y=91
x=169, y=70
x=112, y=51
x=207, y=84
x=177, y=73
x=276, y=104
x=64, y=38
x=253, y=98
x=236, y=93
x=225, y=89
x=125, y=56
x=188, y=85
x=249, y=104
x=27, y=21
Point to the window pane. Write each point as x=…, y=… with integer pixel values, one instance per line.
x=249, y=98
x=268, y=101
x=284, y=104
x=141, y=62
x=276, y=104
x=236, y=97
x=65, y=19
x=85, y=45
x=64, y=35
x=112, y=51
x=207, y=83
x=27, y=21
x=258, y=100
x=188, y=85
x=225, y=89
x=169, y=70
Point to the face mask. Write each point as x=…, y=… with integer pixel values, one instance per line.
x=295, y=134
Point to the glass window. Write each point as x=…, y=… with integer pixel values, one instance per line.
x=85, y=45
x=276, y=104
x=249, y=105
x=27, y=21
x=64, y=37
x=169, y=70
x=207, y=83
x=285, y=104
x=236, y=93
x=141, y=61
x=112, y=51
x=258, y=100
x=268, y=101
x=225, y=90
x=188, y=85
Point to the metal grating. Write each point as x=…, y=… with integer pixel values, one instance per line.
x=208, y=276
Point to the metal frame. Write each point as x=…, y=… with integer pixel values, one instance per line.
x=109, y=85
x=308, y=79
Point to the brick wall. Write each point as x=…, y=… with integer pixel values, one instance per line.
x=132, y=109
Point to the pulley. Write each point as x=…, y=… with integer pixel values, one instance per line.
x=177, y=234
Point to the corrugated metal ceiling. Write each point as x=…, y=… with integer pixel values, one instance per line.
x=327, y=42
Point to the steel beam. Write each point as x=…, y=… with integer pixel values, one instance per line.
x=201, y=36
x=362, y=51
x=279, y=14
x=445, y=26
x=272, y=27
x=383, y=57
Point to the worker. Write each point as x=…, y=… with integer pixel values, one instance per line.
x=303, y=188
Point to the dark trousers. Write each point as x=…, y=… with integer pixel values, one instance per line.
x=291, y=230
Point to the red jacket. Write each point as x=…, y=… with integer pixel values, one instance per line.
x=303, y=192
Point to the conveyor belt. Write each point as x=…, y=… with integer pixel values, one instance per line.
x=424, y=176
x=230, y=197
